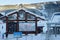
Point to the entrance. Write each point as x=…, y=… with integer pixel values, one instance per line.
x=12, y=27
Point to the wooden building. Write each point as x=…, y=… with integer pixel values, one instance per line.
x=22, y=21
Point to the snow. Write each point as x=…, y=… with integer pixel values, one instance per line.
x=40, y=36
x=43, y=24
x=53, y=37
x=28, y=37
x=2, y=27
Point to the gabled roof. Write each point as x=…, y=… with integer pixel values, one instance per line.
x=26, y=11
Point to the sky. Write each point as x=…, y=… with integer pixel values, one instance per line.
x=7, y=2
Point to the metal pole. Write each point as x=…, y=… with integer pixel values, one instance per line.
x=55, y=30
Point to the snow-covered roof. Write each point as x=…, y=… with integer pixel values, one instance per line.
x=26, y=11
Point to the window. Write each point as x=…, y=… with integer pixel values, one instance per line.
x=27, y=26
x=30, y=17
x=21, y=15
x=12, y=17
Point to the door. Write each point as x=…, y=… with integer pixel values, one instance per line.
x=12, y=27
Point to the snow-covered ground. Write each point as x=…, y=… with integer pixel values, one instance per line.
x=40, y=36
x=27, y=37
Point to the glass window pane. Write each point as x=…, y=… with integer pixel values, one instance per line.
x=21, y=15
x=12, y=17
x=30, y=17
x=27, y=26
